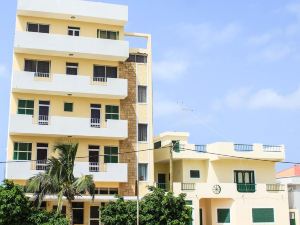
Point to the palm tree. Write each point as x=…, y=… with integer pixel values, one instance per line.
x=59, y=179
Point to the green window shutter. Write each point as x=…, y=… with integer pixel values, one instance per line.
x=68, y=107
x=176, y=145
x=263, y=215
x=223, y=215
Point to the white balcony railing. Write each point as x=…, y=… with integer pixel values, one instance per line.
x=64, y=45
x=62, y=84
x=56, y=126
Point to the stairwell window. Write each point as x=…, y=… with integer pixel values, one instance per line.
x=137, y=58
x=40, y=68
x=71, y=68
x=39, y=28
x=73, y=31
x=25, y=107
x=111, y=154
x=22, y=151
x=108, y=34
x=142, y=132
x=111, y=112
x=143, y=171
x=142, y=94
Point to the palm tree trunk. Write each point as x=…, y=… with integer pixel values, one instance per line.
x=70, y=212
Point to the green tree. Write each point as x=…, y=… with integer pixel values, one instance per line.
x=59, y=179
x=156, y=208
x=15, y=208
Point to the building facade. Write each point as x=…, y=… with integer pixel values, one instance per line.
x=291, y=178
x=76, y=80
x=220, y=181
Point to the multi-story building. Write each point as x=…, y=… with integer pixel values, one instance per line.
x=291, y=178
x=75, y=79
x=225, y=183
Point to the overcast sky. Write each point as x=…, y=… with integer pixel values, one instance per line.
x=222, y=70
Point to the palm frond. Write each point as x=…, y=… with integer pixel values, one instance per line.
x=85, y=183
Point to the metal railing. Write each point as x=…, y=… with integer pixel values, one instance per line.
x=93, y=166
x=272, y=148
x=250, y=188
x=95, y=122
x=99, y=79
x=243, y=147
x=187, y=186
x=163, y=186
x=43, y=120
x=42, y=75
x=275, y=187
x=200, y=148
x=40, y=164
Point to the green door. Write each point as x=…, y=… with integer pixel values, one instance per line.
x=292, y=218
x=200, y=216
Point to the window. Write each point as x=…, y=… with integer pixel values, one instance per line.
x=111, y=154
x=138, y=58
x=176, y=146
x=35, y=27
x=73, y=31
x=143, y=171
x=157, y=145
x=22, y=151
x=142, y=94
x=101, y=73
x=142, y=132
x=106, y=191
x=25, y=107
x=94, y=215
x=108, y=34
x=194, y=173
x=263, y=215
x=223, y=215
x=111, y=112
x=68, y=107
x=78, y=212
x=244, y=177
x=71, y=68
x=63, y=209
x=40, y=68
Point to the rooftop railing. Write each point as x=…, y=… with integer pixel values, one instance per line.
x=243, y=147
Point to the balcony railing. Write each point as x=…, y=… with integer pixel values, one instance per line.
x=97, y=80
x=187, y=186
x=95, y=122
x=200, y=148
x=93, y=167
x=42, y=75
x=40, y=164
x=243, y=147
x=272, y=148
x=249, y=188
x=43, y=120
x=275, y=187
x=163, y=186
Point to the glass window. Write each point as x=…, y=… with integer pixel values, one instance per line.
x=40, y=68
x=142, y=94
x=68, y=107
x=142, y=132
x=101, y=73
x=244, y=177
x=78, y=212
x=35, y=27
x=157, y=145
x=176, y=146
x=22, y=151
x=143, y=171
x=25, y=107
x=111, y=112
x=223, y=215
x=113, y=191
x=138, y=58
x=94, y=215
x=108, y=34
x=71, y=68
x=111, y=154
x=74, y=31
x=263, y=215
x=195, y=173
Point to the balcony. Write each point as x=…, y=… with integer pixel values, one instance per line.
x=61, y=84
x=246, y=188
x=87, y=11
x=57, y=126
x=66, y=46
x=114, y=172
x=275, y=187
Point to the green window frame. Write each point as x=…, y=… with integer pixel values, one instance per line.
x=111, y=112
x=111, y=154
x=223, y=215
x=263, y=215
x=22, y=151
x=68, y=107
x=25, y=107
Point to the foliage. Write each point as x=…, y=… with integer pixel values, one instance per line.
x=15, y=209
x=60, y=180
x=156, y=208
